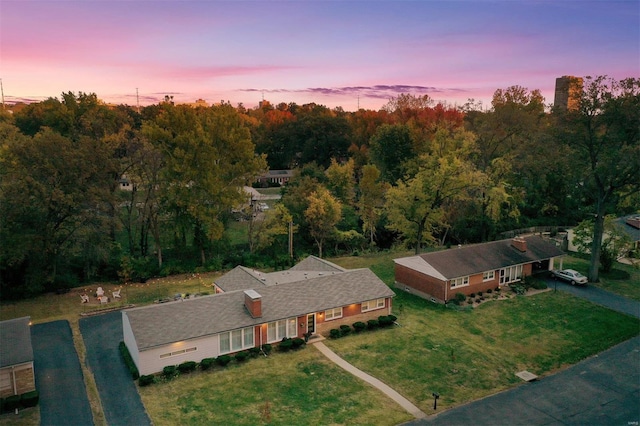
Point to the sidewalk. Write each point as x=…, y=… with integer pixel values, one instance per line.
x=402, y=401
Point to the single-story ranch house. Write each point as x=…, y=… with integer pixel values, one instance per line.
x=252, y=308
x=438, y=276
x=16, y=357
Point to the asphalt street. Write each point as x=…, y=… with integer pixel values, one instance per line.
x=59, y=379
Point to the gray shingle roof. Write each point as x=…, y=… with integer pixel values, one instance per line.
x=478, y=258
x=158, y=325
x=15, y=342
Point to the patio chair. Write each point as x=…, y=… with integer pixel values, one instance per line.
x=99, y=292
x=103, y=299
x=116, y=294
x=85, y=298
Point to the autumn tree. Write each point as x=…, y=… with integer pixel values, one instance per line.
x=604, y=137
x=390, y=148
x=371, y=200
x=341, y=180
x=322, y=215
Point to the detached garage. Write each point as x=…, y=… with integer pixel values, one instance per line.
x=16, y=357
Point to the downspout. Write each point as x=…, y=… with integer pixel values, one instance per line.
x=13, y=376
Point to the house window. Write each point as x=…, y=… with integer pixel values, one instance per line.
x=510, y=274
x=372, y=305
x=178, y=352
x=488, y=276
x=278, y=330
x=460, y=282
x=236, y=340
x=332, y=314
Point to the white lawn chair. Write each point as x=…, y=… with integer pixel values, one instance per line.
x=85, y=298
x=99, y=292
x=103, y=299
x=116, y=294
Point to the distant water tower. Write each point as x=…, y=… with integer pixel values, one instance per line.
x=568, y=91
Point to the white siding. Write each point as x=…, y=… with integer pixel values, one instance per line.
x=150, y=361
x=129, y=340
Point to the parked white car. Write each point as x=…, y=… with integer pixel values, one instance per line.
x=570, y=275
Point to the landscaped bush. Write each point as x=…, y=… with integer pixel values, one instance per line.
x=459, y=298
x=297, y=343
x=359, y=326
x=489, y=291
x=187, y=367
x=392, y=317
x=254, y=352
x=242, y=356
x=145, y=380
x=538, y=284
x=345, y=329
x=29, y=399
x=372, y=324
x=267, y=348
x=12, y=402
x=480, y=293
x=207, y=363
x=126, y=356
x=385, y=321
x=285, y=345
x=223, y=360
x=518, y=289
x=472, y=295
x=170, y=371
x=334, y=333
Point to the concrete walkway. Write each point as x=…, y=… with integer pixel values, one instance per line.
x=401, y=400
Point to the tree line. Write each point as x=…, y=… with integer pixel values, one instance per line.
x=416, y=173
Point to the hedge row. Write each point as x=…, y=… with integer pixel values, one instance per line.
x=358, y=327
x=26, y=400
x=171, y=371
x=126, y=356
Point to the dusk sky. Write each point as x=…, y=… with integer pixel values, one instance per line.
x=334, y=53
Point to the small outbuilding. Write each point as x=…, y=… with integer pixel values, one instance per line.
x=438, y=276
x=16, y=357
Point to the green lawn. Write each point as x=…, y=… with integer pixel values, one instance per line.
x=299, y=388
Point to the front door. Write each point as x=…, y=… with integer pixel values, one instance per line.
x=311, y=323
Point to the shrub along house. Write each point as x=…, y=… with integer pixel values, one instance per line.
x=16, y=358
x=250, y=309
x=438, y=276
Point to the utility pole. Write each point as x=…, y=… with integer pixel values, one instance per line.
x=2, y=91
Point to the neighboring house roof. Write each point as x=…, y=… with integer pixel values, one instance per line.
x=162, y=324
x=313, y=263
x=478, y=258
x=15, y=342
x=630, y=225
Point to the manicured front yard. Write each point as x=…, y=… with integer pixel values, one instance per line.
x=299, y=388
x=467, y=354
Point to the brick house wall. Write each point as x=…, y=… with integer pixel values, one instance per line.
x=420, y=284
x=350, y=314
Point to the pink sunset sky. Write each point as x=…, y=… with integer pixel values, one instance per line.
x=335, y=53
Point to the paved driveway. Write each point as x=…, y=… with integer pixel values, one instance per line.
x=599, y=296
x=602, y=390
x=63, y=396
x=120, y=399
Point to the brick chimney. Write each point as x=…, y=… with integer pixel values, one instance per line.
x=519, y=243
x=253, y=303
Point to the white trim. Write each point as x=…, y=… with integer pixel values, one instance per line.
x=488, y=276
x=243, y=332
x=330, y=314
x=281, y=329
x=459, y=282
x=372, y=305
